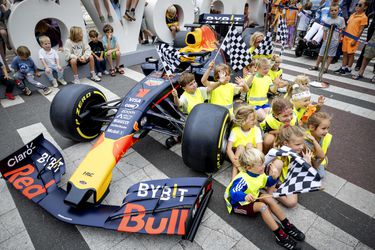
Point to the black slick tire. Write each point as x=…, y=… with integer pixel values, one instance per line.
x=205, y=137
x=70, y=112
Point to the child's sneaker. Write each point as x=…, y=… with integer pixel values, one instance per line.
x=106, y=72
x=95, y=78
x=9, y=96
x=76, y=81
x=346, y=71
x=291, y=230
x=62, y=82
x=54, y=83
x=339, y=71
x=47, y=91
x=26, y=91
x=100, y=74
x=287, y=242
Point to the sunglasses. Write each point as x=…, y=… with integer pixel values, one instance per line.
x=359, y=5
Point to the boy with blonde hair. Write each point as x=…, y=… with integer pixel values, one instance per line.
x=243, y=196
x=50, y=60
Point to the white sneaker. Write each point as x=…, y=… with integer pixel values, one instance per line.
x=76, y=81
x=54, y=83
x=95, y=78
x=47, y=91
x=99, y=74
x=106, y=72
x=63, y=82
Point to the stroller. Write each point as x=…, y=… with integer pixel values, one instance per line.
x=308, y=48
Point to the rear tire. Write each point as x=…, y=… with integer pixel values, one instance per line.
x=205, y=137
x=67, y=106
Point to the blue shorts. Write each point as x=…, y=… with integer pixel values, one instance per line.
x=262, y=107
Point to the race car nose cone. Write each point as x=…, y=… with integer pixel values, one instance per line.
x=77, y=197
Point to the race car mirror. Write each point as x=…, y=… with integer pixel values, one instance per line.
x=168, y=206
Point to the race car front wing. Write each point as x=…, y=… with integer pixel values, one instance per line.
x=168, y=206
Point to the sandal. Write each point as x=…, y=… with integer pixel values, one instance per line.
x=120, y=70
x=313, y=68
x=112, y=72
x=357, y=77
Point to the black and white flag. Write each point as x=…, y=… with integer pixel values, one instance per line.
x=301, y=177
x=169, y=57
x=234, y=46
x=282, y=33
x=265, y=47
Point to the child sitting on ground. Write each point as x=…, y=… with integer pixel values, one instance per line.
x=339, y=23
x=9, y=83
x=294, y=138
x=223, y=94
x=301, y=100
x=318, y=126
x=77, y=52
x=97, y=50
x=50, y=60
x=25, y=68
x=192, y=94
x=282, y=116
x=112, y=50
x=245, y=134
x=242, y=196
x=261, y=83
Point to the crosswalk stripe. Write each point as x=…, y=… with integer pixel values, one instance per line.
x=9, y=103
x=135, y=75
x=300, y=70
x=339, y=90
x=354, y=109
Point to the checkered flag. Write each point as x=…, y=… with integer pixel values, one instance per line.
x=282, y=33
x=301, y=177
x=169, y=57
x=265, y=47
x=236, y=49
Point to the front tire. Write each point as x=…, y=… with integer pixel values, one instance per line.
x=205, y=137
x=70, y=112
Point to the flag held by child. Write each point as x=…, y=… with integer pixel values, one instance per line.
x=282, y=33
x=169, y=57
x=301, y=177
x=234, y=46
x=265, y=47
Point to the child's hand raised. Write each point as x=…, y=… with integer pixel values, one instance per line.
x=307, y=156
x=211, y=65
x=240, y=81
x=174, y=93
x=321, y=100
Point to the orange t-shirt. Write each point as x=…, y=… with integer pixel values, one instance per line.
x=355, y=22
x=291, y=17
x=274, y=8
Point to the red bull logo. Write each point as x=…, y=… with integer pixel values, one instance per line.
x=22, y=180
x=136, y=220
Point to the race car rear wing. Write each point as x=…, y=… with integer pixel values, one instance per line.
x=222, y=19
x=169, y=206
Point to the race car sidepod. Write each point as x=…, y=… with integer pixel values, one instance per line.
x=168, y=206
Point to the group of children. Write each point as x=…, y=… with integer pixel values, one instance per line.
x=290, y=119
x=76, y=52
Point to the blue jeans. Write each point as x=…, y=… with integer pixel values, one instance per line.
x=100, y=66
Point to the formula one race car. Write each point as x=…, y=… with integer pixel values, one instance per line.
x=82, y=113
